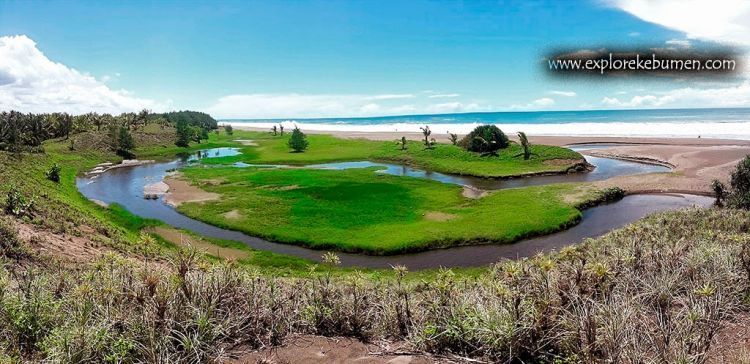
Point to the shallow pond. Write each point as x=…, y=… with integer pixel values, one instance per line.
x=125, y=186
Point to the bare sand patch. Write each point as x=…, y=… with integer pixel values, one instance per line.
x=439, y=216
x=103, y=167
x=70, y=248
x=694, y=166
x=248, y=142
x=100, y=203
x=233, y=215
x=181, y=191
x=473, y=192
x=178, y=238
x=280, y=188
x=215, y=181
x=318, y=349
x=154, y=190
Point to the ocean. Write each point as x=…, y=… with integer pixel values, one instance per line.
x=730, y=123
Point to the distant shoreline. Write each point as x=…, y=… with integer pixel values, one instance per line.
x=559, y=140
x=695, y=161
x=739, y=130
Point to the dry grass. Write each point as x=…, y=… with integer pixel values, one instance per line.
x=656, y=291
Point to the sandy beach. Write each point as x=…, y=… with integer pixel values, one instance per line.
x=695, y=162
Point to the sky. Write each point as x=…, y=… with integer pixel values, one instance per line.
x=295, y=59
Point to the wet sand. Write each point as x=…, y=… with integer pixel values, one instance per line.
x=181, y=191
x=694, y=167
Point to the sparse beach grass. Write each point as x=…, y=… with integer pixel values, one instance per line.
x=657, y=291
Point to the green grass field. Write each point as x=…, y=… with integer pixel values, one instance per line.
x=358, y=210
x=60, y=208
x=443, y=158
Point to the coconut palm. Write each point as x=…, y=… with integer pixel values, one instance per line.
x=427, y=132
x=525, y=145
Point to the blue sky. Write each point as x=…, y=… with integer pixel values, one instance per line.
x=337, y=58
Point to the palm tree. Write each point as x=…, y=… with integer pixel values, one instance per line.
x=141, y=119
x=426, y=132
x=453, y=138
x=525, y=145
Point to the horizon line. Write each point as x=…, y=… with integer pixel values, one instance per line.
x=483, y=113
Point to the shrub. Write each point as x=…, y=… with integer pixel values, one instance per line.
x=228, y=129
x=184, y=134
x=54, y=173
x=16, y=203
x=298, y=140
x=737, y=195
x=740, y=184
x=453, y=138
x=485, y=139
x=125, y=144
x=608, y=300
x=720, y=192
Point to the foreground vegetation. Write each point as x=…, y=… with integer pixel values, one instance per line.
x=657, y=291
x=445, y=158
x=359, y=210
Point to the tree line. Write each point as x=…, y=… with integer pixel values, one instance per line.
x=27, y=131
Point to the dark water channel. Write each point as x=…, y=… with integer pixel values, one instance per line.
x=125, y=186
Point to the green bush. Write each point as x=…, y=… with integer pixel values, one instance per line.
x=184, y=134
x=54, y=173
x=740, y=184
x=485, y=139
x=228, y=129
x=737, y=195
x=16, y=203
x=720, y=192
x=298, y=141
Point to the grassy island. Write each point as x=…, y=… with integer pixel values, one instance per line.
x=364, y=211
x=265, y=148
x=359, y=210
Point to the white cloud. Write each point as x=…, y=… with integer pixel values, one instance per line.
x=564, y=93
x=443, y=96
x=733, y=96
x=30, y=82
x=726, y=21
x=682, y=43
x=391, y=96
x=537, y=104
x=454, y=107
x=277, y=106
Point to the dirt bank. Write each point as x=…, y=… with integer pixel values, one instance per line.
x=318, y=349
